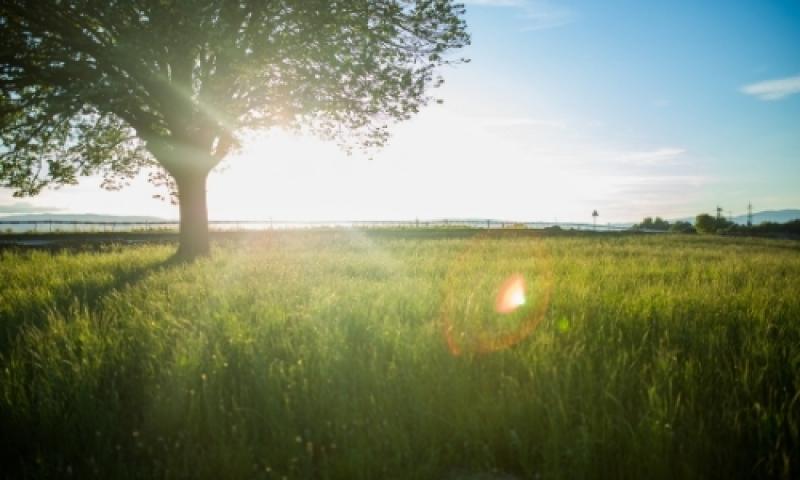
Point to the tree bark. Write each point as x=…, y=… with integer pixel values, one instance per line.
x=194, y=241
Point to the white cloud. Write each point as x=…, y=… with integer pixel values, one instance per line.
x=537, y=14
x=26, y=207
x=652, y=157
x=774, y=89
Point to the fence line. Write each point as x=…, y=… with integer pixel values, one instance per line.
x=248, y=225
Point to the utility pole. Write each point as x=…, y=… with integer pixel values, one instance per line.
x=719, y=212
x=594, y=219
x=749, y=214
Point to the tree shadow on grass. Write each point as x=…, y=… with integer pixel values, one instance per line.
x=83, y=292
x=65, y=422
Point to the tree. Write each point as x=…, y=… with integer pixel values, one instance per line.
x=648, y=223
x=116, y=86
x=660, y=224
x=705, y=223
x=681, y=226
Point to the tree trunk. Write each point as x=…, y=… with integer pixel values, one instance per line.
x=194, y=241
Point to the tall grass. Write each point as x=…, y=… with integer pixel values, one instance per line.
x=323, y=355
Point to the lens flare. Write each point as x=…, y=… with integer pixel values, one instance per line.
x=477, y=316
x=511, y=295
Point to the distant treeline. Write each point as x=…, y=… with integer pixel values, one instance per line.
x=767, y=228
x=661, y=225
x=705, y=223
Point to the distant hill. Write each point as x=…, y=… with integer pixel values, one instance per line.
x=777, y=216
x=67, y=217
x=82, y=217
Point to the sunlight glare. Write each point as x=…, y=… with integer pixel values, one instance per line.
x=511, y=295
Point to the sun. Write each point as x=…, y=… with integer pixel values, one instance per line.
x=268, y=177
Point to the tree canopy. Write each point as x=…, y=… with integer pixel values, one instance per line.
x=648, y=223
x=705, y=223
x=109, y=87
x=658, y=224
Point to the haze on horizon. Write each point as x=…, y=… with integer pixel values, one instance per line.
x=630, y=109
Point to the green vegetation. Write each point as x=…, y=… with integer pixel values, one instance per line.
x=661, y=225
x=705, y=223
x=173, y=87
x=322, y=355
x=680, y=226
x=651, y=224
x=790, y=228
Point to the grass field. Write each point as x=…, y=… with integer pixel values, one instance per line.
x=367, y=355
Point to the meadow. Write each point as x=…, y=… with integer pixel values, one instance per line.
x=378, y=354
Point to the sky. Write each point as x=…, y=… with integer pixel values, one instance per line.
x=629, y=108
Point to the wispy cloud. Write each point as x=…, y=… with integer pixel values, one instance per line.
x=669, y=196
x=25, y=207
x=537, y=14
x=653, y=157
x=774, y=89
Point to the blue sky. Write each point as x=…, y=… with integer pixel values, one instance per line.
x=651, y=75
x=631, y=108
